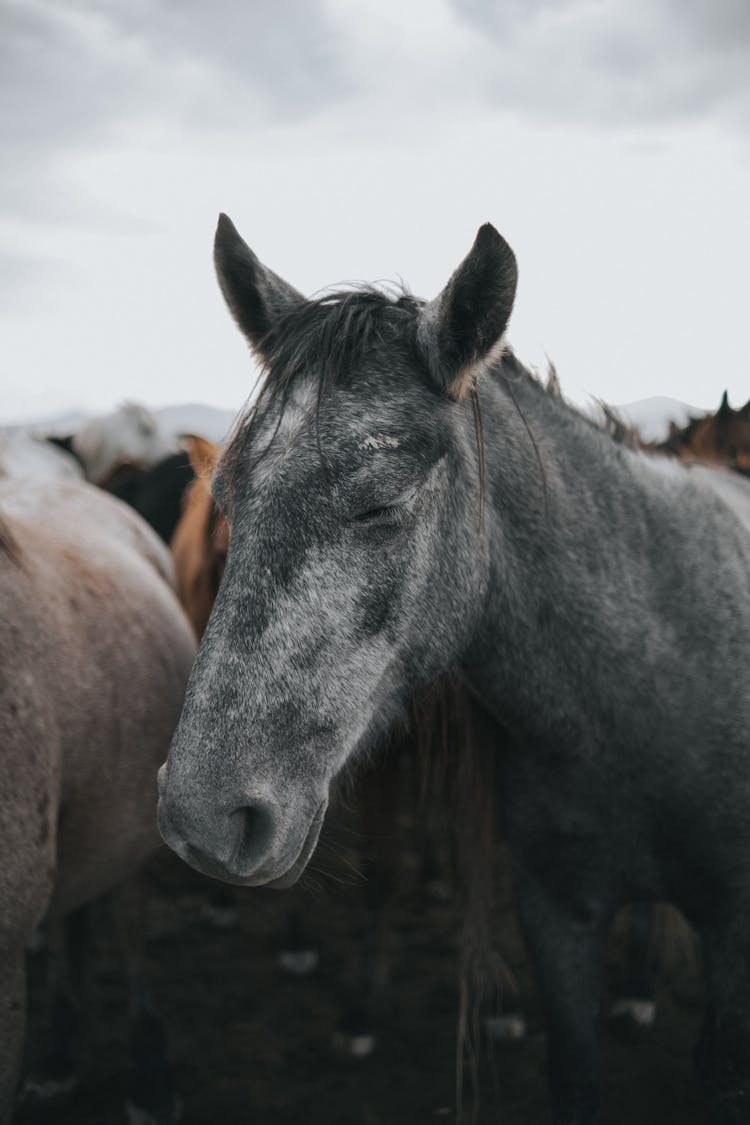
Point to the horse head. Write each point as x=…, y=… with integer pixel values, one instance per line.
x=357, y=564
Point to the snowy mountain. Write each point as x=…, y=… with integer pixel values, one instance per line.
x=211, y=422
x=651, y=416
x=196, y=418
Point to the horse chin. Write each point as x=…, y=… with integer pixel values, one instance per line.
x=292, y=874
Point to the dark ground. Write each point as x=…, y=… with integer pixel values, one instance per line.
x=252, y=1046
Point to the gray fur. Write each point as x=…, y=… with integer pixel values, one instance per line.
x=600, y=610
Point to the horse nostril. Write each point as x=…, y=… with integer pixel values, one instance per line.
x=256, y=826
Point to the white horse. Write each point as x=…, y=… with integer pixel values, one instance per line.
x=129, y=435
x=26, y=456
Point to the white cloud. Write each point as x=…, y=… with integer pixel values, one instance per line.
x=616, y=62
x=361, y=141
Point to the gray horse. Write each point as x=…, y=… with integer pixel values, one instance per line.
x=406, y=501
x=95, y=653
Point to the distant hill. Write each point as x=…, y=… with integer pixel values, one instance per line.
x=211, y=422
x=195, y=418
x=651, y=416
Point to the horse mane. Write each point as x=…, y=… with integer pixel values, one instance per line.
x=332, y=331
x=457, y=743
x=618, y=429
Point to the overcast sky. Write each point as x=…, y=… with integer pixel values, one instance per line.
x=608, y=140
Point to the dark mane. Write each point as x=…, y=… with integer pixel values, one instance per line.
x=325, y=336
x=621, y=432
x=331, y=332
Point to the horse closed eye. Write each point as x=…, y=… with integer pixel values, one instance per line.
x=389, y=513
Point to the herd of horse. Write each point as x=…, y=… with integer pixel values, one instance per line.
x=408, y=541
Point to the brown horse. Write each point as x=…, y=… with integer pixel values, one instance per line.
x=200, y=541
x=722, y=438
x=95, y=652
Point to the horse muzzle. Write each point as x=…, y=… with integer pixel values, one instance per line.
x=249, y=842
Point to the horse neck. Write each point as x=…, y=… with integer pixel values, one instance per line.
x=578, y=528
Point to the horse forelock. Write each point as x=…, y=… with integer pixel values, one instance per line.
x=323, y=339
x=330, y=333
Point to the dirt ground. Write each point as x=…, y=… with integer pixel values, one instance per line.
x=253, y=1046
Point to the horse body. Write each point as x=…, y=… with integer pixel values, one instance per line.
x=594, y=599
x=201, y=538
x=614, y=652
x=612, y=641
x=129, y=435
x=95, y=653
x=623, y=681
x=24, y=456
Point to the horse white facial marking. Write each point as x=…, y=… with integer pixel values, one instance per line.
x=322, y=590
x=322, y=601
x=379, y=441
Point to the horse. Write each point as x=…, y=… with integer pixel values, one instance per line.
x=199, y=549
x=407, y=501
x=156, y=493
x=200, y=540
x=95, y=652
x=722, y=438
x=128, y=435
x=26, y=456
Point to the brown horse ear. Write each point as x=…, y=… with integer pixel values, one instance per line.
x=255, y=295
x=725, y=409
x=203, y=454
x=459, y=330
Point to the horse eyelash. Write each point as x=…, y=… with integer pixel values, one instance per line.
x=379, y=515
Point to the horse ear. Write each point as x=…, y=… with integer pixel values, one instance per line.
x=724, y=408
x=255, y=295
x=744, y=411
x=459, y=330
x=203, y=454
